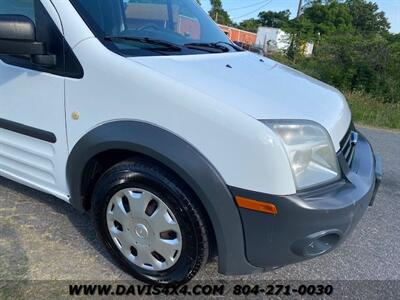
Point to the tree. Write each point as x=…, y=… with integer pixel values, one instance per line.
x=353, y=49
x=218, y=13
x=322, y=17
x=266, y=18
x=274, y=19
x=367, y=19
x=338, y=16
x=250, y=25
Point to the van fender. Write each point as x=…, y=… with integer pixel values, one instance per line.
x=187, y=162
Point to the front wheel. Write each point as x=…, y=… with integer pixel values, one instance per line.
x=150, y=222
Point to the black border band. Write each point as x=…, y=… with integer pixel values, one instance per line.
x=28, y=131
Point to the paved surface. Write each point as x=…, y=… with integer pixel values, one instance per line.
x=43, y=238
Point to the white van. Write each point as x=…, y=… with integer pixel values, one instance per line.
x=179, y=144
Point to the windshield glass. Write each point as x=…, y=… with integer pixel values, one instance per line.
x=153, y=27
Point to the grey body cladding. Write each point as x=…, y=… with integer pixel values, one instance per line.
x=185, y=161
x=314, y=222
x=28, y=131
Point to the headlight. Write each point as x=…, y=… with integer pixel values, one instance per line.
x=310, y=151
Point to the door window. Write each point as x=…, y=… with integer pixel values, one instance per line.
x=18, y=7
x=47, y=32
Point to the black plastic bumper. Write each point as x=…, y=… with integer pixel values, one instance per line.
x=313, y=223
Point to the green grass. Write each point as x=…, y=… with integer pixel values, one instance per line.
x=370, y=111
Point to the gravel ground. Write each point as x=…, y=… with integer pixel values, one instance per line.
x=42, y=238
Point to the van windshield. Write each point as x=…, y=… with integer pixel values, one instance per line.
x=154, y=27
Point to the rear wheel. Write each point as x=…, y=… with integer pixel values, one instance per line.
x=150, y=222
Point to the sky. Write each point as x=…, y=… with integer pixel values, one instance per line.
x=245, y=9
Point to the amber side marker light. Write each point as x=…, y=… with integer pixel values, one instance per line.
x=259, y=206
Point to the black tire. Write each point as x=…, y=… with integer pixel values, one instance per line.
x=147, y=175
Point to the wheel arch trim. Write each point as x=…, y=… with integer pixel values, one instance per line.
x=187, y=162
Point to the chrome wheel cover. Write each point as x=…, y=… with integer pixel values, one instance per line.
x=144, y=229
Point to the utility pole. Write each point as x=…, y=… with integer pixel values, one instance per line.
x=300, y=8
x=293, y=35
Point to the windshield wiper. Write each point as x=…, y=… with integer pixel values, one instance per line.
x=145, y=40
x=217, y=47
x=209, y=47
x=236, y=47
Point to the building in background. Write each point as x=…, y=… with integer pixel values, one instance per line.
x=307, y=49
x=189, y=27
x=272, y=39
x=245, y=38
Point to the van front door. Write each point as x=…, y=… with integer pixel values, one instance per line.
x=33, y=145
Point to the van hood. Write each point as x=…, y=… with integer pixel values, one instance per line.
x=259, y=87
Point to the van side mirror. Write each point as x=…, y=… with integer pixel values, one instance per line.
x=18, y=37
